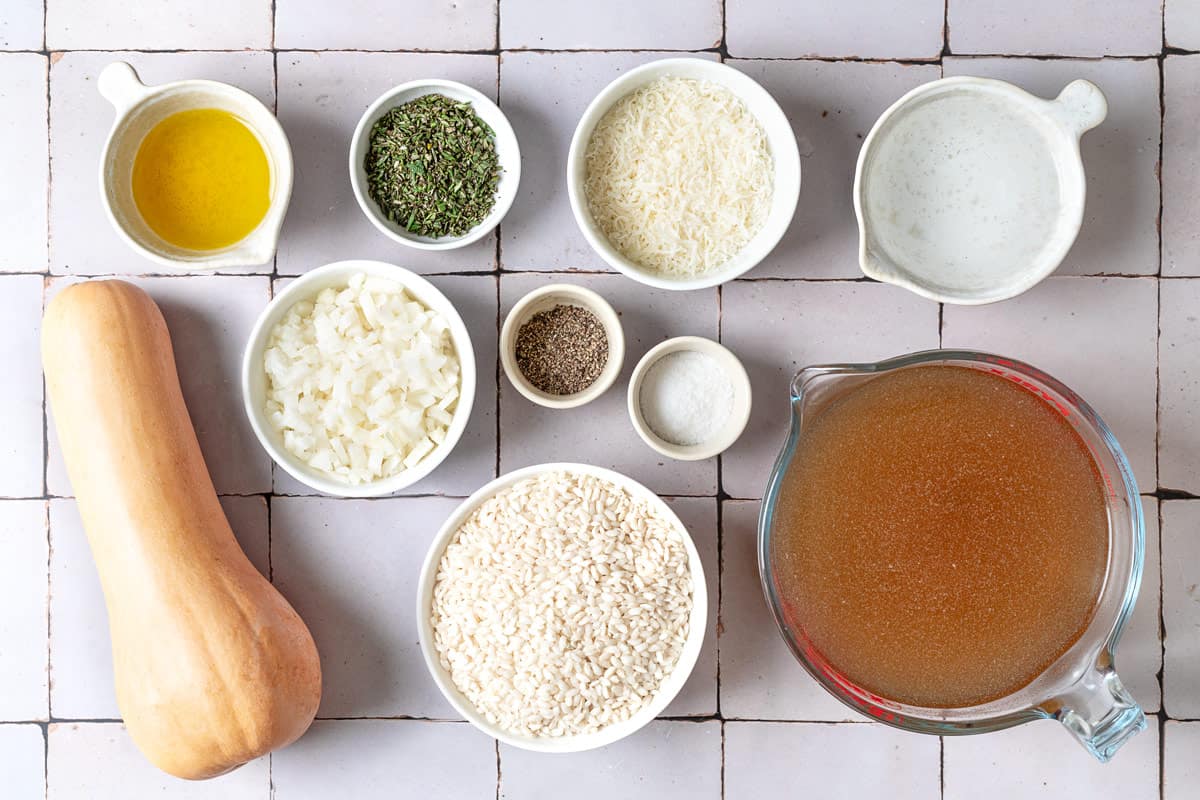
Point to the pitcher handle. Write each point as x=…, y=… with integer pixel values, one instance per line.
x=1100, y=712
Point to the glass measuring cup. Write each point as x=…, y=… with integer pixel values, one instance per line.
x=1081, y=688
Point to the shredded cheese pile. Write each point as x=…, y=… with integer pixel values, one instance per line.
x=679, y=176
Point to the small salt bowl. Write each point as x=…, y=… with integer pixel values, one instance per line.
x=724, y=432
x=544, y=299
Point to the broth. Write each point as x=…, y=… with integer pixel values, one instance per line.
x=941, y=536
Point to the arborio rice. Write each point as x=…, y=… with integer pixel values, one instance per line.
x=561, y=605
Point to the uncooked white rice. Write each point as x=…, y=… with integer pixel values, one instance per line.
x=561, y=605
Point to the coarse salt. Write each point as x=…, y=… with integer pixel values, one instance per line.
x=686, y=397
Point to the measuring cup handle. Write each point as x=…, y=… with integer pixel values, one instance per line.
x=1100, y=712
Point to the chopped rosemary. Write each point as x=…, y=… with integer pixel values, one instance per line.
x=432, y=166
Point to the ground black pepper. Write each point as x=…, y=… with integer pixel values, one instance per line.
x=562, y=350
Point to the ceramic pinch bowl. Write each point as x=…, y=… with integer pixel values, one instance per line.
x=139, y=108
x=971, y=190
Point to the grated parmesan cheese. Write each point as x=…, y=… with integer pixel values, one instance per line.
x=362, y=381
x=679, y=176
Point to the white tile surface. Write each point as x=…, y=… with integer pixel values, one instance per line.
x=1065, y=28
x=21, y=25
x=81, y=672
x=377, y=759
x=832, y=106
x=1181, y=760
x=1042, y=760
x=472, y=463
x=1182, y=23
x=858, y=28
x=350, y=568
x=779, y=759
x=777, y=328
x=600, y=432
x=209, y=319
x=760, y=678
x=24, y=558
x=1120, y=157
x=698, y=697
x=1181, y=608
x=321, y=98
x=173, y=24
x=98, y=761
x=1181, y=165
x=23, y=761
x=386, y=25
x=614, y=25
x=1096, y=335
x=21, y=404
x=23, y=161
x=1179, y=385
x=82, y=241
x=544, y=95
x=664, y=759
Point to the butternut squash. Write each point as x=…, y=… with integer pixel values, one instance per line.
x=213, y=666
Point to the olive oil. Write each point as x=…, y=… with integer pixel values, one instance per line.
x=201, y=179
x=941, y=536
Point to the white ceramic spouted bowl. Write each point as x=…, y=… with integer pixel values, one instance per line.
x=971, y=190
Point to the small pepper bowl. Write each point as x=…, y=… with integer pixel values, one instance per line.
x=723, y=438
x=544, y=299
x=507, y=150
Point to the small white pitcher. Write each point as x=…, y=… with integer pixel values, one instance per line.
x=139, y=108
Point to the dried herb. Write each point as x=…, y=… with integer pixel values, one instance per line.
x=562, y=350
x=432, y=166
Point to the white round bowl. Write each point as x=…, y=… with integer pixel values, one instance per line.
x=507, y=151
x=544, y=299
x=612, y=733
x=739, y=415
x=254, y=376
x=780, y=141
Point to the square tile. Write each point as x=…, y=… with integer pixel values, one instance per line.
x=1182, y=23
x=1096, y=335
x=23, y=161
x=1181, y=608
x=832, y=106
x=663, y=759
x=321, y=98
x=1065, y=28
x=1181, y=165
x=21, y=402
x=175, y=24
x=544, y=95
x=81, y=671
x=24, y=574
x=1139, y=653
x=350, y=568
x=93, y=760
x=854, y=29
x=383, y=25
x=82, y=241
x=1042, y=760
x=615, y=25
x=210, y=320
x=23, y=760
x=760, y=678
x=1179, y=385
x=1181, y=760
x=772, y=759
x=600, y=432
x=472, y=463
x=698, y=697
x=1120, y=157
x=372, y=759
x=21, y=27
x=778, y=328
